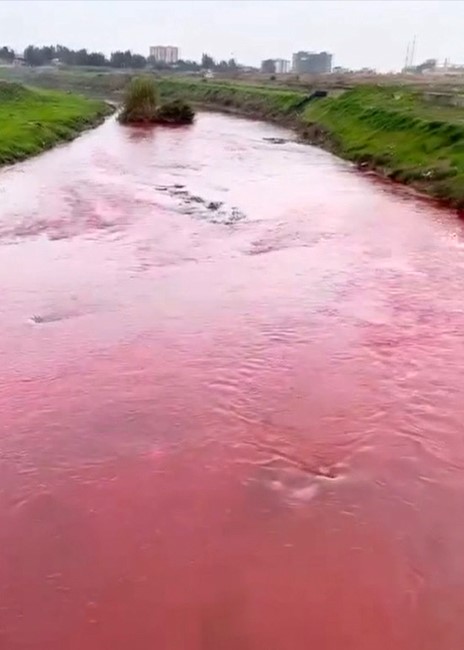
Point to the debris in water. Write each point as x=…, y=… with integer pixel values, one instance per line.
x=214, y=205
x=276, y=140
x=222, y=215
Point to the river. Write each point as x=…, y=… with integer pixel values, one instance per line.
x=231, y=397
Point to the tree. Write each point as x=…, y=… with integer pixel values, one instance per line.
x=65, y=55
x=207, y=62
x=45, y=55
x=7, y=54
x=138, y=61
x=127, y=60
x=35, y=56
x=97, y=59
x=39, y=55
x=117, y=59
x=157, y=65
x=48, y=53
x=222, y=66
x=81, y=57
x=187, y=66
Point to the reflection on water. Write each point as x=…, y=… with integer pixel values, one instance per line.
x=231, y=399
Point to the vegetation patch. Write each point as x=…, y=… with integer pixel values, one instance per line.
x=176, y=111
x=33, y=120
x=141, y=106
x=395, y=132
x=264, y=102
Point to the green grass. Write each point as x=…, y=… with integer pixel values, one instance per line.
x=397, y=132
x=101, y=84
x=257, y=101
x=33, y=120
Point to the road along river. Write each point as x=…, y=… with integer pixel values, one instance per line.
x=231, y=399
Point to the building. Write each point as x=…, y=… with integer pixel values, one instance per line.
x=282, y=66
x=268, y=66
x=312, y=63
x=19, y=60
x=164, y=53
x=277, y=66
x=339, y=69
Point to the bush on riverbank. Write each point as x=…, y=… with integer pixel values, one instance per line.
x=175, y=112
x=140, y=102
x=33, y=120
x=141, y=106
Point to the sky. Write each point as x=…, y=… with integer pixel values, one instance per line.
x=359, y=33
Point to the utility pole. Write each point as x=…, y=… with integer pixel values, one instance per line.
x=406, y=60
x=413, y=50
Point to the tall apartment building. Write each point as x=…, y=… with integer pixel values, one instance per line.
x=278, y=66
x=312, y=63
x=164, y=53
x=282, y=66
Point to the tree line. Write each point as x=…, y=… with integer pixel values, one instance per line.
x=48, y=54
x=37, y=56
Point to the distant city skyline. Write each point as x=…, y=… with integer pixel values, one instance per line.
x=359, y=33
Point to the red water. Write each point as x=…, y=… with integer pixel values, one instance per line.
x=227, y=427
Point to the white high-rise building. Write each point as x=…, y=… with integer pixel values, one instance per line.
x=164, y=53
x=282, y=66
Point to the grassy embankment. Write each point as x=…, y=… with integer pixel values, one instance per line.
x=99, y=85
x=262, y=102
x=398, y=133
x=33, y=120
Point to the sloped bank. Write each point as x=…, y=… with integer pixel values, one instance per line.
x=393, y=131
x=33, y=120
x=263, y=102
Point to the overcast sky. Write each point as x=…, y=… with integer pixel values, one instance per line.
x=359, y=33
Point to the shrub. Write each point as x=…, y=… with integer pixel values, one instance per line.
x=140, y=101
x=175, y=112
x=141, y=106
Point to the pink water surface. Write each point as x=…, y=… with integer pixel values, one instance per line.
x=231, y=399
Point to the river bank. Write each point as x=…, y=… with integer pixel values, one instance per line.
x=392, y=131
x=397, y=132
x=33, y=120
